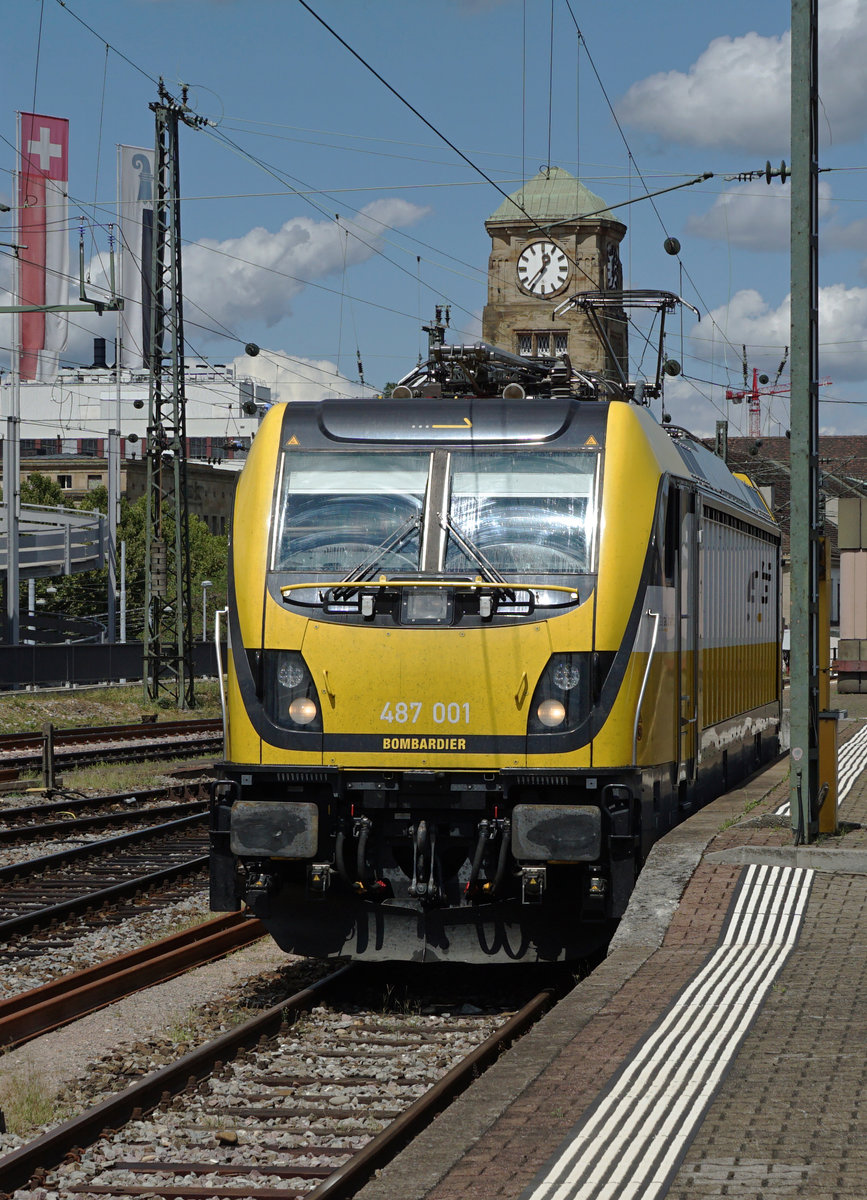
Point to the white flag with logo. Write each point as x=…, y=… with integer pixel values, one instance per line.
x=135, y=216
x=43, y=233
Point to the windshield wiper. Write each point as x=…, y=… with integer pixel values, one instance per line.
x=368, y=566
x=488, y=571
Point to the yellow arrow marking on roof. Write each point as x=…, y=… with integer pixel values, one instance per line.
x=466, y=425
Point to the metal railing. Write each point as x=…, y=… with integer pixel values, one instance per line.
x=56, y=541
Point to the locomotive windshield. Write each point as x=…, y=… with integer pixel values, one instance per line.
x=529, y=512
x=338, y=507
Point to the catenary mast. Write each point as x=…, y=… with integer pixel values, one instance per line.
x=168, y=647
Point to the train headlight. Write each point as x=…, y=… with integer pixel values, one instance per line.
x=290, y=673
x=551, y=713
x=289, y=692
x=566, y=674
x=302, y=710
x=561, y=700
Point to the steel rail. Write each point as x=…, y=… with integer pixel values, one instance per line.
x=33, y=865
x=140, y=731
x=19, y=833
x=34, y=1158
x=41, y=1009
x=347, y=1179
x=71, y=747
x=109, y=895
x=77, y=802
x=124, y=888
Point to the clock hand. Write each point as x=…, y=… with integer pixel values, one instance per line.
x=546, y=258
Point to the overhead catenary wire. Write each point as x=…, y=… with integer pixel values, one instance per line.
x=637, y=169
x=251, y=157
x=428, y=123
x=146, y=74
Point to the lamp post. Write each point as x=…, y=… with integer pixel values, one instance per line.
x=206, y=583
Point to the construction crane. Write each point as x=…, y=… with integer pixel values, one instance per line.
x=755, y=393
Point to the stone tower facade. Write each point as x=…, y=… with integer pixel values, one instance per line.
x=543, y=255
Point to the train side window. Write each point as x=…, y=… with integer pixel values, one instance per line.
x=671, y=536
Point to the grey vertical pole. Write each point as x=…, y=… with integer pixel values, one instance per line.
x=721, y=444
x=12, y=505
x=804, y=690
x=113, y=519
x=12, y=453
x=123, y=591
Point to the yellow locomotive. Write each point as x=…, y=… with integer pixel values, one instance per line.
x=484, y=650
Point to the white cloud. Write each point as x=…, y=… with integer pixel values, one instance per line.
x=736, y=94
x=753, y=216
x=749, y=320
x=240, y=282
x=466, y=329
x=293, y=378
x=252, y=279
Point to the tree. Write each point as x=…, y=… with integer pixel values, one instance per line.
x=39, y=489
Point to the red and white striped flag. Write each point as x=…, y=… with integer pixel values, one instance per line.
x=43, y=232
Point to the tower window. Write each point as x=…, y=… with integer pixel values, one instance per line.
x=543, y=344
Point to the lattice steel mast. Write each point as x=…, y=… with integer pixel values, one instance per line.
x=168, y=645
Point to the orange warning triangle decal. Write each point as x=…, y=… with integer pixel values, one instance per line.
x=293, y=441
x=591, y=441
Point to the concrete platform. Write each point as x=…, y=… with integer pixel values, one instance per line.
x=720, y=1049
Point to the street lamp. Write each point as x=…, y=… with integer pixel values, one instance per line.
x=206, y=583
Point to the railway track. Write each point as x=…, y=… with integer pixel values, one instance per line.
x=70, y=817
x=79, y=746
x=41, y=891
x=39, y=1010
x=286, y=1105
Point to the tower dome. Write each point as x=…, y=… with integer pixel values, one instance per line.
x=552, y=195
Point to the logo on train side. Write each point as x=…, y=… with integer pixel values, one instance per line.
x=424, y=743
x=758, y=590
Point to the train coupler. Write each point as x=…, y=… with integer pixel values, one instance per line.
x=533, y=883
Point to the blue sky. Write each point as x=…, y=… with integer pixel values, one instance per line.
x=303, y=132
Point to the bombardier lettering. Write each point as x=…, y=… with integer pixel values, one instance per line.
x=424, y=743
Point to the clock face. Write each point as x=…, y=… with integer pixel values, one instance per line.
x=543, y=269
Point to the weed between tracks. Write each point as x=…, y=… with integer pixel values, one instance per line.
x=102, y=778
x=26, y=1103
x=27, y=712
x=31, y=1106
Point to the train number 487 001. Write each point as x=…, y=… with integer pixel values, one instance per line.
x=408, y=712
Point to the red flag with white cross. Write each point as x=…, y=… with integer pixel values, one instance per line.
x=43, y=234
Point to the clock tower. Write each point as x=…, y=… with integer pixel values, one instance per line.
x=544, y=249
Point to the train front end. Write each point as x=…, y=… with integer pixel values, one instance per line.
x=419, y=671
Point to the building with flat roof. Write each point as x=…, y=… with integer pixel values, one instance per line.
x=71, y=416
